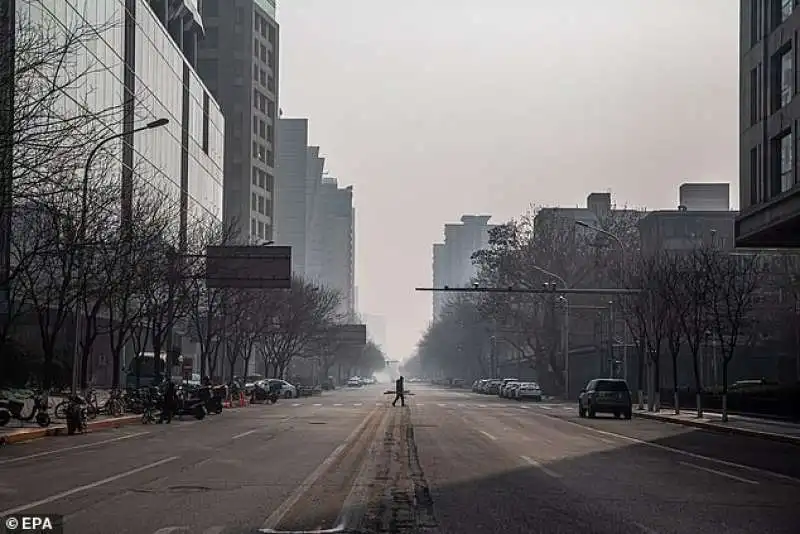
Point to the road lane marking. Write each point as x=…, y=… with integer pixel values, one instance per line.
x=243, y=434
x=338, y=404
x=278, y=514
x=420, y=404
x=356, y=404
x=73, y=448
x=720, y=473
x=688, y=454
x=491, y=437
x=462, y=405
x=85, y=487
x=317, y=404
x=643, y=528
x=296, y=404
x=442, y=404
x=481, y=406
x=169, y=530
x=546, y=407
x=540, y=467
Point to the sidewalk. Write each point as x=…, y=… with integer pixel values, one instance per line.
x=786, y=432
x=13, y=433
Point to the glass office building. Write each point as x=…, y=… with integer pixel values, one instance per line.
x=147, y=49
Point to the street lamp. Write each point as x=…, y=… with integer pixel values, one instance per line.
x=564, y=326
x=81, y=237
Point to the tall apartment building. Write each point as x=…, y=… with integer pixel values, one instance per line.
x=452, y=260
x=769, y=116
x=331, y=255
x=238, y=59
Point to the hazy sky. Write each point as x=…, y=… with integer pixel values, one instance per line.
x=437, y=108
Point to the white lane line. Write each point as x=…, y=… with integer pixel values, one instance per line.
x=317, y=404
x=338, y=404
x=170, y=530
x=243, y=434
x=356, y=404
x=546, y=407
x=275, y=518
x=296, y=404
x=720, y=473
x=481, y=406
x=85, y=487
x=539, y=466
x=491, y=437
x=643, y=528
x=73, y=448
x=442, y=404
x=462, y=405
x=687, y=454
x=420, y=404
x=524, y=407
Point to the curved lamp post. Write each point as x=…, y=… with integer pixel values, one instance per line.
x=81, y=237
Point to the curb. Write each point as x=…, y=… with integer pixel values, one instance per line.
x=61, y=430
x=720, y=427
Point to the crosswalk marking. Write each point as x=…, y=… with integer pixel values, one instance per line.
x=442, y=404
x=317, y=404
x=296, y=404
x=338, y=404
x=420, y=404
x=356, y=404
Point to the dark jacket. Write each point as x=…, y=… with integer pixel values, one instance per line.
x=398, y=385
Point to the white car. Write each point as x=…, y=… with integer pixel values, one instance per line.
x=354, y=382
x=287, y=390
x=529, y=390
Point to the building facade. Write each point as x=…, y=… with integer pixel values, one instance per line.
x=452, y=260
x=769, y=116
x=238, y=59
x=140, y=68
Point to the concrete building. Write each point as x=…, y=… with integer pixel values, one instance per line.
x=769, y=183
x=330, y=259
x=703, y=216
x=299, y=170
x=238, y=59
x=452, y=260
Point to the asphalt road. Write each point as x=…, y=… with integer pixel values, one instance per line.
x=452, y=461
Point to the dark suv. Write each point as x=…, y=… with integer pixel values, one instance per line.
x=605, y=395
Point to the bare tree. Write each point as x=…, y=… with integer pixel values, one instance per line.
x=673, y=292
x=301, y=314
x=732, y=282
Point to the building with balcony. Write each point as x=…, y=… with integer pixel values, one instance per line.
x=769, y=183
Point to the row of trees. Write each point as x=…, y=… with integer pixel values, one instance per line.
x=130, y=272
x=686, y=299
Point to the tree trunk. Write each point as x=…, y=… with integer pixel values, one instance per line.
x=676, y=398
x=725, y=362
x=657, y=384
x=116, y=364
x=698, y=384
x=640, y=375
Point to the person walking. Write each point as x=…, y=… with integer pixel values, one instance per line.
x=399, y=392
x=169, y=404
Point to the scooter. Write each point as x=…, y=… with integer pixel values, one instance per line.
x=12, y=409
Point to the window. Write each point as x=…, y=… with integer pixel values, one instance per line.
x=255, y=125
x=261, y=229
x=253, y=201
x=256, y=173
x=260, y=204
x=786, y=162
x=272, y=34
x=269, y=133
x=756, y=178
x=270, y=186
x=253, y=226
x=212, y=37
x=239, y=15
x=262, y=77
x=271, y=60
x=263, y=52
x=270, y=158
x=206, y=111
x=755, y=94
x=255, y=48
x=786, y=9
x=271, y=84
x=271, y=109
x=262, y=129
x=787, y=82
x=262, y=178
x=210, y=8
x=256, y=22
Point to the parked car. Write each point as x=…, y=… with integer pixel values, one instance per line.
x=528, y=390
x=285, y=389
x=354, y=382
x=605, y=395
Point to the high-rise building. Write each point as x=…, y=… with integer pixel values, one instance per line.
x=299, y=169
x=452, y=260
x=142, y=64
x=376, y=328
x=238, y=59
x=769, y=183
x=331, y=256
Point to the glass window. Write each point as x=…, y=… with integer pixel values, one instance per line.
x=269, y=133
x=787, y=82
x=263, y=52
x=253, y=226
x=255, y=47
x=253, y=201
x=262, y=178
x=272, y=34
x=261, y=229
x=786, y=9
x=756, y=20
x=256, y=173
x=271, y=60
x=206, y=106
x=270, y=158
x=212, y=37
x=260, y=204
x=611, y=385
x=787, y=161
x=755, y=94
x=210, y=8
